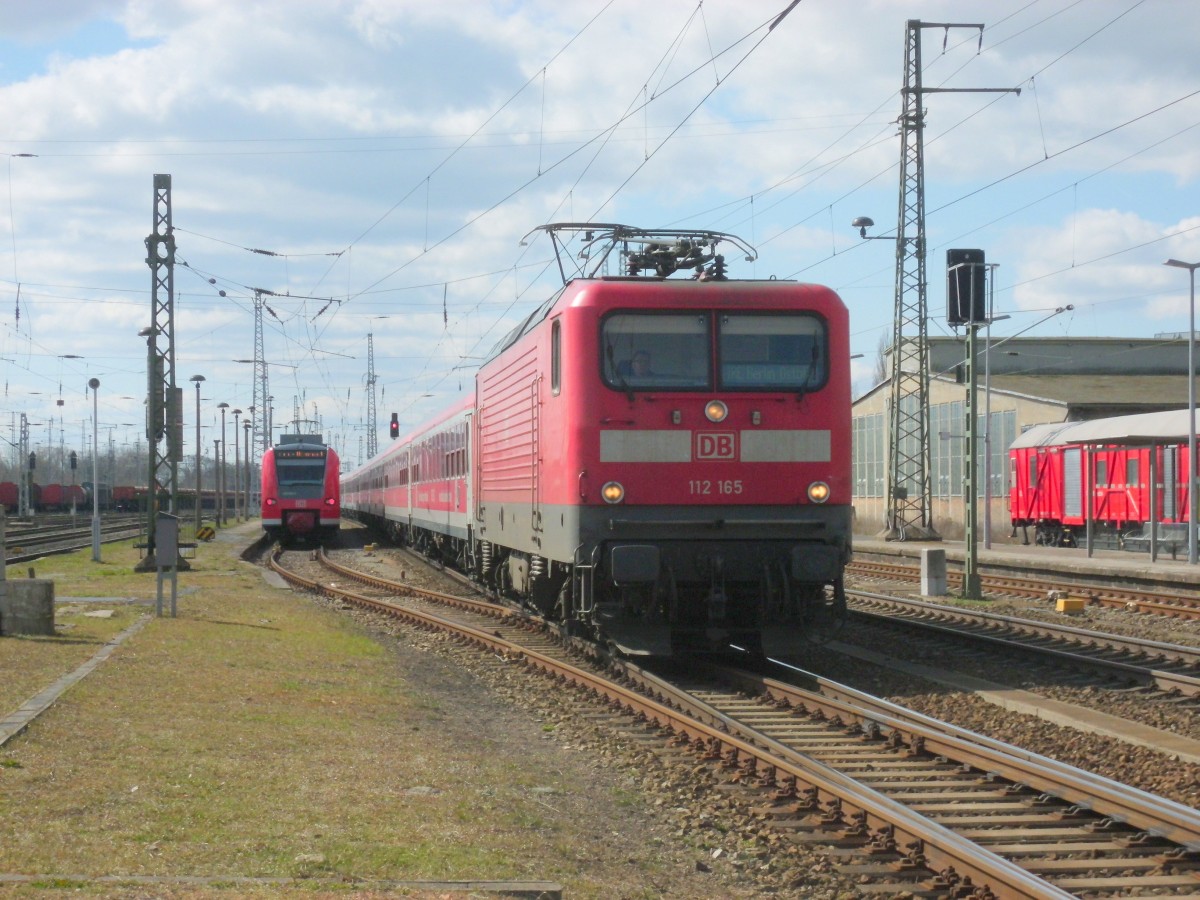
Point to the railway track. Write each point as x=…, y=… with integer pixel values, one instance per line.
x=1171, y=669
x=919, y=806
x=27, y=544
x=1152, y=601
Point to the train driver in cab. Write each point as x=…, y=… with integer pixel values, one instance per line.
x=639, y=366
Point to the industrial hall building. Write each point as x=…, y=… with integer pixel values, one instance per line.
x=1030, y=381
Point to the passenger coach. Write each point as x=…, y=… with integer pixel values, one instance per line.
x=663, y=462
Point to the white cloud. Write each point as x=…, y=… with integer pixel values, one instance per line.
x=306, y=127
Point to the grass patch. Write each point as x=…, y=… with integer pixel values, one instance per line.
x=258, y=734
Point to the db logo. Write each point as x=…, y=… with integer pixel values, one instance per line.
x=716, y=445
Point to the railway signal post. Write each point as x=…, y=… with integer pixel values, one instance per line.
x=966, y=302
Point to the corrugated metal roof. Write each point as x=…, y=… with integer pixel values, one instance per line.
x=1098, y=390
x=1170, y=427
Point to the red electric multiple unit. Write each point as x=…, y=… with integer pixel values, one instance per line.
x=1054, y=468
x=664, y=463
x=301, y=497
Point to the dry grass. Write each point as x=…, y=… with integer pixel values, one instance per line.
x=260, y=734
x=29, y=663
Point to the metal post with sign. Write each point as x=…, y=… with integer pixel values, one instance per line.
x=166, y=556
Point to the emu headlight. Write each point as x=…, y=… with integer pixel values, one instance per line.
x=716, y=411
x=818, y=492
x=613, y=492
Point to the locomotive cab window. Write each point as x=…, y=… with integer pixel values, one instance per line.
x=772, y=352
x=641, y=351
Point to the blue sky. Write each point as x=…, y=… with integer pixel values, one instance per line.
x=390, y=155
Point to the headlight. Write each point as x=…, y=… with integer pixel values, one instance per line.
x=716, y=411
x=818, y=492
x=612, y=492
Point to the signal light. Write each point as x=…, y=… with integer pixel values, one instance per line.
x=394, y=428
x=966, y=287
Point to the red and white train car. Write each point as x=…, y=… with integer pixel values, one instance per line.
x=663, y=462
x=301, y=490
x=1133, y=467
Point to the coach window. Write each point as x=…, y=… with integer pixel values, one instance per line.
x=672, y=351
x=1101, y=472
x=556, y=357
x=1131, y=470
x=772, y=352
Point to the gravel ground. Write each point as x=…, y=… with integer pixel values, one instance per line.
x=710, y=843
x=1140, y=767
x=719, y=847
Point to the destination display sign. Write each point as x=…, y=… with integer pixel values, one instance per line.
x=298, y=453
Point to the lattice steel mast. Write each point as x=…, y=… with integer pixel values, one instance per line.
x=909, y=487
x=259, y=425
x=164, y=406
x=372, y=436
x=23, y=467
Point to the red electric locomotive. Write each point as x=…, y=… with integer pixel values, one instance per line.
x=301, y=496
x=1051, y=478
x=663, y=463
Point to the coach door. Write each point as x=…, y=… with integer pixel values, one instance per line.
x=535, y=456
x=1072, y=482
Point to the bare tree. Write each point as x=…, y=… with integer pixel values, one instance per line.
x=881, y=359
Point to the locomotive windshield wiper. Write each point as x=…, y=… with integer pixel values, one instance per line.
x=802, y=391
x=616, y=370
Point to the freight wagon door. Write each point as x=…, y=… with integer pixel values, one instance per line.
x=1073, y=482
x=1170, y=454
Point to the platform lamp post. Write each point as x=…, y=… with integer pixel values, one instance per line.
x=94, y=384
x=1191, y=365
x=199, y=504
x=216, y=481
x=222, y=518
x=246, y=428
x=237, y=469
x=987, y=410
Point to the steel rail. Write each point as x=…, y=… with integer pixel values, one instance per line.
x=1173, y=682
x=846, y=804
x=1158, y=602
x=1102, y=796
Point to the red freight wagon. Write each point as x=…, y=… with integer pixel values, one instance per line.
x=1130, y=469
